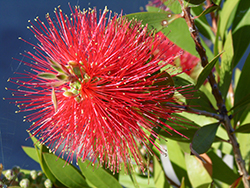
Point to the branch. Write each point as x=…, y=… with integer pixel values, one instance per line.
x=217, y=94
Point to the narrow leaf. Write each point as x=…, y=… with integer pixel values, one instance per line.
x=97, y=176
x=209, y=9
x=240, y=28
x=205, y=72
x=64, y=172
x=202, y=24
x=228, y=7
x=204, y=138
x=31, y=152
x=242, y=90
x=243, y=128
x=226, y=65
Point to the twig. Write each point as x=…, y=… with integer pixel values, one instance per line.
x=217, y=94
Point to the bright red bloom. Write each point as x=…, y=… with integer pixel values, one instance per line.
x=96, y=86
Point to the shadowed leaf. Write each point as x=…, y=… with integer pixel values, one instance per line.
x=204, y=138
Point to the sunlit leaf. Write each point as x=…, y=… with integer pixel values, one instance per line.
x=226, y=65
x=31, y=152
x=228, y=7
x=197, y=173
x=178, y=32
x=159, y=175
x=45, y=167
x=97, y=176
x=177, y=159
x=64, y=172
x=204, y=138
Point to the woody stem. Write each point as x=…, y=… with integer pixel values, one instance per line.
x=217, y=94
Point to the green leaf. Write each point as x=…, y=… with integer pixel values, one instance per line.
x=243, y=128
x=195, y=2
x=205, y=72
x=31, y=152
x=182, y=125
x=244, y=102
x=204, y=138
x=143, y=182
x=97, y=176
x=197, y=173
x=226, y=66
x=228, y=7
x=240, y=28
x=237, y=74
x=173, y=5
x=64, y=172
x=242, y=90
x=154, y=9
x=179, y=34
x=209, y=9
x=35, y=141
x=155, y=20
x=159, y=175
x=47, y=75
x=221, y=170
x=45, y=168
x=177, y=159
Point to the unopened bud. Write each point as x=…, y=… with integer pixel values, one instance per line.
x=33, y=174
x=9, y=174
x=48, y=183
x=24, y=183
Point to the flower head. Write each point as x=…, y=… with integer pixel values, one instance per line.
x=96, y=86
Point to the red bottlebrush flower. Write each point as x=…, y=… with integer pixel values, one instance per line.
x=95, y=86
x=186, y=61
